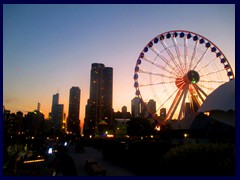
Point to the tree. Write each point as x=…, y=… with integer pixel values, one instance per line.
x=139, y=127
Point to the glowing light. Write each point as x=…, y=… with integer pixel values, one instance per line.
x=185, y=135
x=158, y=128
x=33, y=161
x=110, y=135
x=207, y=113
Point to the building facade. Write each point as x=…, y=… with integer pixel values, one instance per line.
x=136, y=107
x=57, y=114
x=99, y=105
x=73, y=121
x=152, y=107
x=55, y=100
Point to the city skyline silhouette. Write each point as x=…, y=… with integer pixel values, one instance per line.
x=50, y=48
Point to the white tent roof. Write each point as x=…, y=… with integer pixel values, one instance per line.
x=223, y=98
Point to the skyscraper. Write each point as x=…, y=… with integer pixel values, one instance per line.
x=57, y=114
x=99, y=106
x=136, y=107
x=73, y=121
x=163, y=113
x=55, y=100
x=152, y=106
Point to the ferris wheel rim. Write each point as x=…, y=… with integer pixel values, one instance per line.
x=193, y=34
x=173, y=31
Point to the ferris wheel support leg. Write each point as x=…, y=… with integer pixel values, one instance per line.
x=194, y=100
x=199, y=89
x=183, y=101
x=199, y=95
x=174, y=105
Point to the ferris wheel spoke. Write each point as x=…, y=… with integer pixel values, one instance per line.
x=171, y=55
x=213, y=81
x=174, y=105
x=177, y=50
x=200, y=59
x=215, y=72
x=163, y=58
x=206, y=87
x=210, y=62
x=163, y=104
x=152, y=84
x=155, y=64
x=156, y=74
x=193, y=55
x=185, y=52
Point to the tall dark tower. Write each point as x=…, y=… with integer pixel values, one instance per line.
x=73, y=121
x=55, y=100
x=57, y=114
x=99, y=106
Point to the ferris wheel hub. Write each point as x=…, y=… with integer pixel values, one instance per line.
x=191, y=77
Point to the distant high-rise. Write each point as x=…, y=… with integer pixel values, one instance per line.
x=136, y=107
x=55, y=100
x=124, y=109
x=152, y=106
x=163, y=113
x=73, y=121
x=57, y=113
x=57, y=116
x=38, y=106
x=99, y=106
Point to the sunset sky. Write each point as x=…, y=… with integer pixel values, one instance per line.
x=50, y=48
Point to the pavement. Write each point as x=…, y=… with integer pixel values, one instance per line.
x=79, y=159
x=92, y=153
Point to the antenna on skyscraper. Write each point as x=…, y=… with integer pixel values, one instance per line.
x=58, y=90
x=38, y=106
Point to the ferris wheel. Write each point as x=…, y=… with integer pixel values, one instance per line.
x=178, y=69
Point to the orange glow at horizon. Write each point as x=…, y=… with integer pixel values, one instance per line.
x=119, y=100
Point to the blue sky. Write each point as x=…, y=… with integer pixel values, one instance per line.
x=50, y=48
